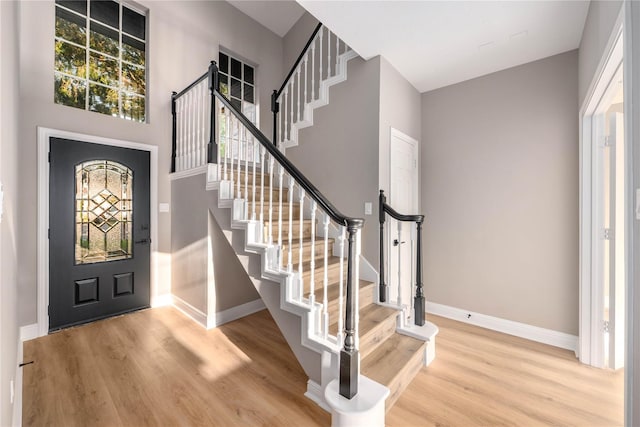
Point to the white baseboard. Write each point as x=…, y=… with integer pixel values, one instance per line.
x=29, y=332
x=316, y=394
x=218, y=318
x=26, y=333
x=522, y=330
x=234, y=313
x=190, y=311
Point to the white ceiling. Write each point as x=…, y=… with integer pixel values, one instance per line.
x=438, y=43
x=278, y=16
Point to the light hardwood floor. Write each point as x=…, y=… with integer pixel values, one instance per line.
x=156, y=367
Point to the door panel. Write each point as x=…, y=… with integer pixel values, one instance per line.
x=99, y=252
x=403, y=197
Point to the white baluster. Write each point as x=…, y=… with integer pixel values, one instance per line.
x=328, y=53
x=290, y=255
x=238, y=164
x=185, y=113
x=284, y=114
x=246, y=173
x=341, y=240
x=312, y=264
x=300, y=251
x=192, y=127
x=234, y=152
x=399, y=266
x=306, y=84
x=280, y=177
x=337, y=52
x=325, y=281
x=255, y=160
x=299, y=101
x=178, y=134
x=313, y=71
x=227, y=144
x=270, y=231
x=291, y=117
x=280, y=136
x=196, y=127
x=320, y=59
x=263, y=172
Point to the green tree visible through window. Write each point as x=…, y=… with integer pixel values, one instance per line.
x=100, y=58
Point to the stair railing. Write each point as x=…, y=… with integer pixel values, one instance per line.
x=318, y=61
x=418, y=299
x=247, y=164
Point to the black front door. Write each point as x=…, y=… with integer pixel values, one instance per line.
x=99, y=245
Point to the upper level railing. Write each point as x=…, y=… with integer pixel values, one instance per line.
x=306, y=83
x=270, y=190
x=418, y=299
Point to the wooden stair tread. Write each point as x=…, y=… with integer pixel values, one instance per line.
x=333, y=290
x=387, y=361
x=372, y=316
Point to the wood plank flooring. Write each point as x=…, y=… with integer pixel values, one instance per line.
x=158, y=368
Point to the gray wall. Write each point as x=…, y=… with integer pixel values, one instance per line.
x=339, y=153
x=184, y=37
x=293, y=42
x=597, y=30
x=400, y=108
x=9, y=78
x=191, y=231
x=500, y=192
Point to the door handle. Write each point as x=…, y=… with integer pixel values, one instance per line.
x=143, y=241
x=397, y=242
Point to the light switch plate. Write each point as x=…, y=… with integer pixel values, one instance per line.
x=164, y=207
x=368, y=208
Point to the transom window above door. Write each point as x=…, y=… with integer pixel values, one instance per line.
x=100, y=57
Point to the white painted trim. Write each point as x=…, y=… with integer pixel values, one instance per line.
x=44, y=134
x=190, y=311
x=316, y=394
x=589, y=295
x=234, y=313
x=17, y=402
x=522, y=330
x=29, y=332
x=188, y=172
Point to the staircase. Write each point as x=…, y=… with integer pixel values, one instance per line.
x=387, y=356
x=365, y=349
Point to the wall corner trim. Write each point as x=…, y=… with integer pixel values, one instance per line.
x=522, y=330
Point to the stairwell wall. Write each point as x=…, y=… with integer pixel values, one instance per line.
x=183, y=37
x=500, y=191
x=339, y=153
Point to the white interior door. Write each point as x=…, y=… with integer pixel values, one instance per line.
x=403, y=197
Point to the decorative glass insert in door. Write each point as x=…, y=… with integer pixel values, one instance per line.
x=104, y=207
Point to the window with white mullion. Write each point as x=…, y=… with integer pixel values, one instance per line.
x=101, y=57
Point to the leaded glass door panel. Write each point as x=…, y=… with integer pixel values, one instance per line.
x=99, y=231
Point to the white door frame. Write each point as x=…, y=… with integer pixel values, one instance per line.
x=44, y=134
x=395, y=133
x=590, y=290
